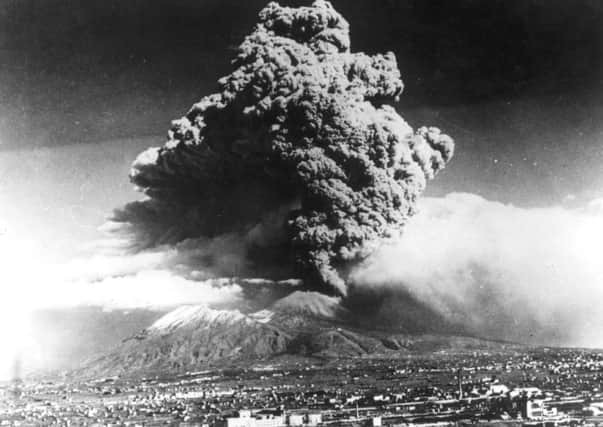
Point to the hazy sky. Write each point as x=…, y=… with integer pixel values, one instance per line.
x=85, y=86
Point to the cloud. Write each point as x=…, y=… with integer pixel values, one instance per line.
x=300, y=123
x=108, y=276
x=463, y=265
x=148, y=289
x=528, y=274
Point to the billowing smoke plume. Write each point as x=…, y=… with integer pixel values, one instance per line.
x=490, y=269
x=299, y=127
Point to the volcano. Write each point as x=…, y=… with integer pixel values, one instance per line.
x=304, y=325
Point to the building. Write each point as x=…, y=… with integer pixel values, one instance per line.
x=246, y=419
x=497, y=390
x=295, y=420
x=537, y=410
x=314, y=419
x=376, y=422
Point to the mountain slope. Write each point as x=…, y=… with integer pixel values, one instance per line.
x=303, y=324
x=192, y=336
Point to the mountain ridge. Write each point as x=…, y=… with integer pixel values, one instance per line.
x=305, y=325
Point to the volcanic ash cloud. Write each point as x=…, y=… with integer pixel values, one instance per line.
x=300, y=123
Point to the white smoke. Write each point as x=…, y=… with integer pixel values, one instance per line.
x=528, y=274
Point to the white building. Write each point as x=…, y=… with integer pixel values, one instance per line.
x=536, y=409
x=314, y=419
x=497, y=390
x=295, y=420
x=376, y=422
x=245, y=419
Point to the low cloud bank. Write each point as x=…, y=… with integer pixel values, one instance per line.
x=499, y=271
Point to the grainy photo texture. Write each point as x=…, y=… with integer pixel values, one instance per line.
x=296, y=213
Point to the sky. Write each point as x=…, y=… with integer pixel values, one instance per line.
x=85, y=86
x=517, y=83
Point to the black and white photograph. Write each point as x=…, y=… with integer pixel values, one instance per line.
x=301, y=213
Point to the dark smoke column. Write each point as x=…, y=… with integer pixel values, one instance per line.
x=306, y=119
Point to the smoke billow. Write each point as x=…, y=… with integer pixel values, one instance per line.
x=299, y=133
x=490, y=269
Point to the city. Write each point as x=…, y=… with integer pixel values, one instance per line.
x=544, y=387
